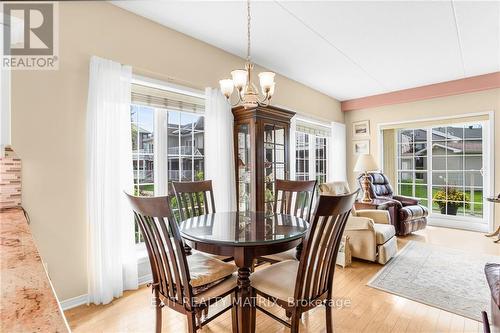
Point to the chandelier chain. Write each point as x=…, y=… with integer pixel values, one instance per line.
x=248, y=94
x=248, y=30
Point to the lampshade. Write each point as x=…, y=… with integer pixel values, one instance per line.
x=226, y=87
x=365, y=163
x=271, y=91
x=266, y=80
x=239, y=78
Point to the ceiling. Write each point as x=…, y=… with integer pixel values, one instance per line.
x=347, y=49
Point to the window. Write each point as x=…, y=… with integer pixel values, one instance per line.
x=311, y=152
x=142, y=148
x=412, y=164
x=185, y=146
x=301, y=156
x=167, y=140
x=443, y=167
x=321, y=154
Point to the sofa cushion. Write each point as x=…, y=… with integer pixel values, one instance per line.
x=409, y=213
x=359, y=223
x=380, y=186
x=409, y=226
x=383, y=232
x=334, y=188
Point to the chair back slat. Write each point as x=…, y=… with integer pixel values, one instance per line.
x=321, y=244
x=181, y=201
x=191, y=201
x=165, y=247
x=294, y=197
x=199, y=207
x=158, y=258
x=193, y=198
x=333, y=251
x=206, y=211
x=168, y=256
x=155, y=267
x=175, y=285
x=321, y=256
x=307, y=198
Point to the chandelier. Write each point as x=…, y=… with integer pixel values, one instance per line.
x=241, y=79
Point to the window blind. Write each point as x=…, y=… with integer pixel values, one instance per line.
x=170, y=100
x=437, y=122
x=312, y=128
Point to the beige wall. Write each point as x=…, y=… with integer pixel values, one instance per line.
x=48, y=118
x=488, y=100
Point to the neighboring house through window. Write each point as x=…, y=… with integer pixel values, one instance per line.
x=167, y=139
x=443, y=166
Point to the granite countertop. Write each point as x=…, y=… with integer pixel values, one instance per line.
x=28, y=302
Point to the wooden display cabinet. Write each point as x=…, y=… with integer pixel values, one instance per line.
x=261, y=141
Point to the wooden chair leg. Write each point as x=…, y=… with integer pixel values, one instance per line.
x=295, y=322
x=234, y=314
x=191, y=318
x=253, y=311
x=158, y=311
x=329, y=318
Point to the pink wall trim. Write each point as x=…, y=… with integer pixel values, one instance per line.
x=456, y=87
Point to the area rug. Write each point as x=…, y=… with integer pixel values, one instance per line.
x=441, y=277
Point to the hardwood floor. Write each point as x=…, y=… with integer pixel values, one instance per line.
x=370, y=310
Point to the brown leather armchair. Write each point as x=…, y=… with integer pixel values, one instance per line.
x=492, y=272
x=409, y=215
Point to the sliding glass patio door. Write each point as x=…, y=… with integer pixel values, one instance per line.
x=446, y=167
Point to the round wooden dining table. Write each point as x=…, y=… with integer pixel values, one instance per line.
x=244, y=236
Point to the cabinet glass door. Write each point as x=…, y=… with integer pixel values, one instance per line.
x=274, y=161
x=243, y=167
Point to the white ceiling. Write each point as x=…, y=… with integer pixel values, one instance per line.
x=347, y=49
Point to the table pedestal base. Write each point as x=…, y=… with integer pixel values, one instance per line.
x=245, y=307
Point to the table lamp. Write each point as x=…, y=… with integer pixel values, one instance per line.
x=364, y=164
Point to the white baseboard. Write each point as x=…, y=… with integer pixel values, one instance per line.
x=74, y=302
x=454, y=223
x=82, y=299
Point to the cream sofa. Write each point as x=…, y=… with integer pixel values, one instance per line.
x=371, y=235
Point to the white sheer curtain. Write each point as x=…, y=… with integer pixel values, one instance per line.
x=111, y=258
x=219, y=150
x=337, y=165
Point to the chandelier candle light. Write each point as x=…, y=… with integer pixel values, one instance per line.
x=248, y=95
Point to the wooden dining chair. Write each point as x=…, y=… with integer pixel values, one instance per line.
x=186, y=284
x=292, y=197
x=195, y=199
x=299, y=286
